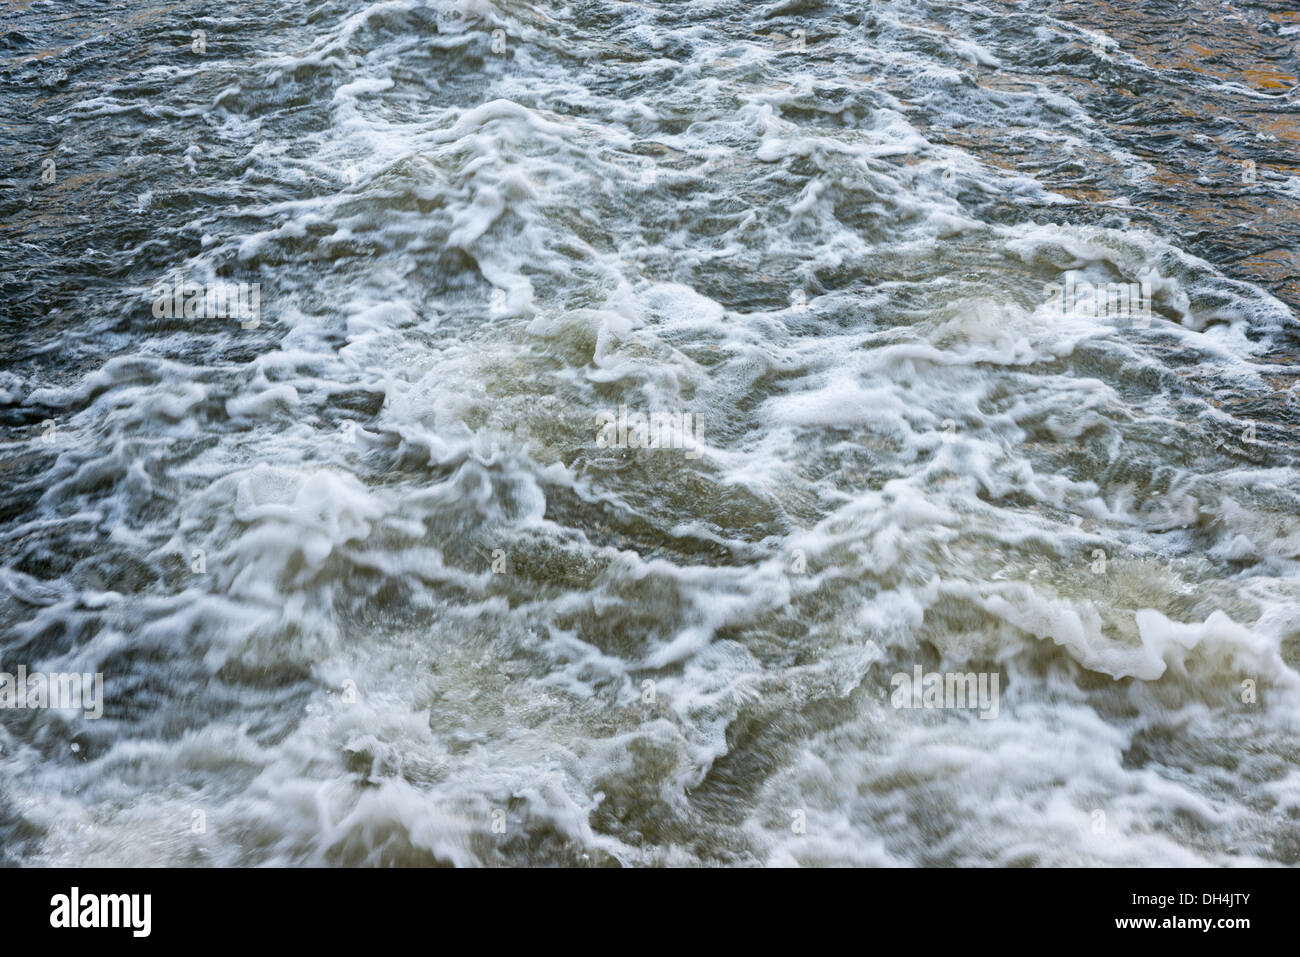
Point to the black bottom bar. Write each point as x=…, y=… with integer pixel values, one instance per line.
x=332, y=907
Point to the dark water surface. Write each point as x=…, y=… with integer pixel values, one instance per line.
x=365, y=580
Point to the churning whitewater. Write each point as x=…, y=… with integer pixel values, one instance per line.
x=601, y=433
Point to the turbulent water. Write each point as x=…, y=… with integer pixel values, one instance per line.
x=371, y=579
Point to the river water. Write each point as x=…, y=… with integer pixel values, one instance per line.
x=373, y=571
